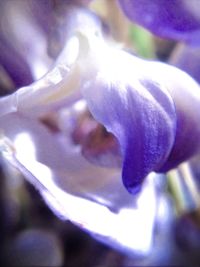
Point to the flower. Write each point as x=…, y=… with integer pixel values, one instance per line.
x=38, y=123
x=142, y=106
x=146, y=109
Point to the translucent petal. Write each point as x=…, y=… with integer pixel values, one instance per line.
x=92, y=197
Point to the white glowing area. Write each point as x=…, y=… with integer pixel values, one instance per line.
x=129, y=229
x=28, y=153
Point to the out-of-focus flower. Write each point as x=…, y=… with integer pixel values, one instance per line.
x=33, y=32
x=187, y=232
x=34, y=248
x=130, y=103
x=24, y=27
x=174, y=19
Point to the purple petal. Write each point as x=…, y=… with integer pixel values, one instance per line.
x=185, y=93
x=138, y=111
x=174, y=19
x=152, y=108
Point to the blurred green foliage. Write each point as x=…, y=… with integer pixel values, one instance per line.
x=142, y=41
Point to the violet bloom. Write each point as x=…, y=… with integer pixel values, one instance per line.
x=148, y=106
x=143, y=108
x=37, y=125
x=174, y=19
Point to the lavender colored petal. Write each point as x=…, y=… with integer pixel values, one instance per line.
x=174, y=19
x=139, y=112
x=185, y=93
x=152, y=108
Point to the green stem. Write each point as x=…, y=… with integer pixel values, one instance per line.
x=176, y=188
x=189, y=180
x=184, y=189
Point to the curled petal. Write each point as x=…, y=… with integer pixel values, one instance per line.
x=63, y=79
x=138, y=111
x=185, y=93
x=174, y=19
x=152, y=108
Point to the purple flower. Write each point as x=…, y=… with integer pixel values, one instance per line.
x=45, y=153
x=96, y=114
x=142, y=106
x=138, y=101
x=174, y=19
